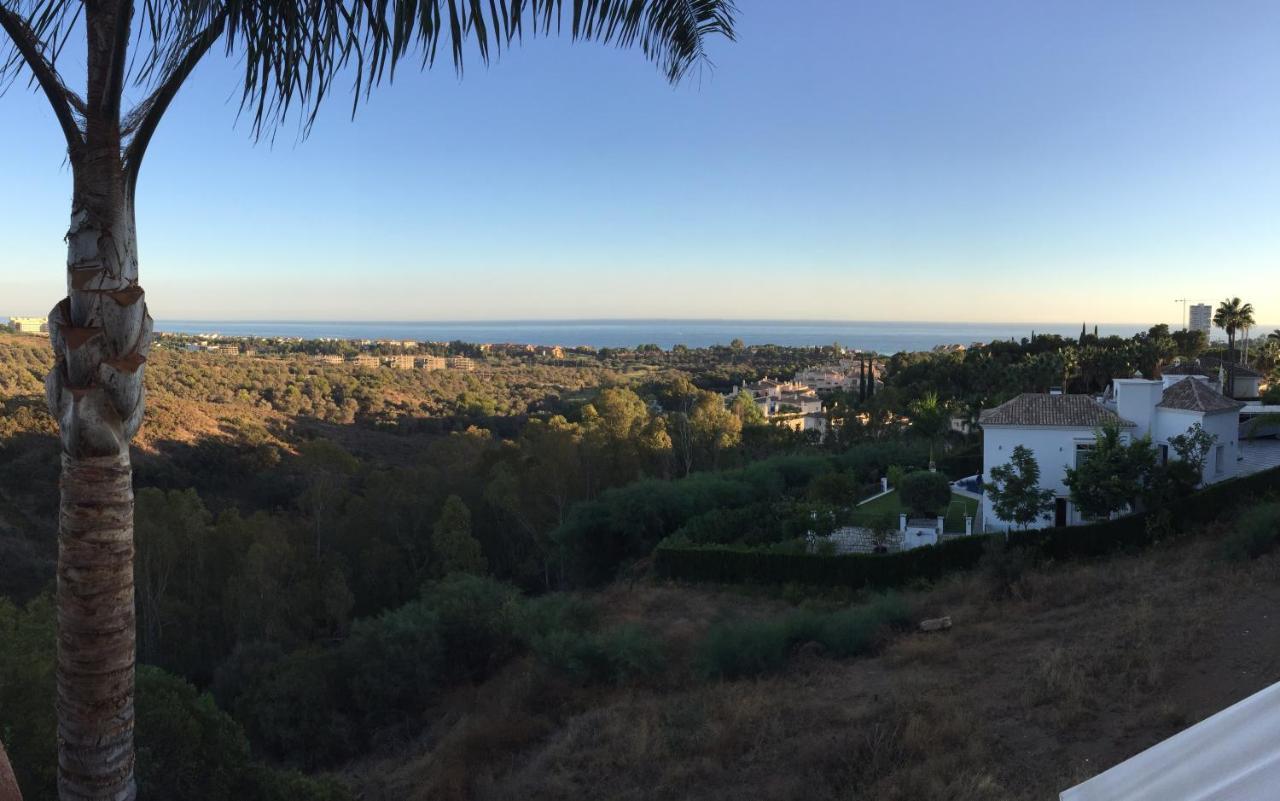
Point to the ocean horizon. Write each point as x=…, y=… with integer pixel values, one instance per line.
x=878, y=336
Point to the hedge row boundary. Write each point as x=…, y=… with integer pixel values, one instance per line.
x=731, y=564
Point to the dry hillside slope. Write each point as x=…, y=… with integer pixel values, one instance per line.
x=1086, y=665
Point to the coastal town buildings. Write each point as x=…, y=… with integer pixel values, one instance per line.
x=30, y=325
x=790, y=404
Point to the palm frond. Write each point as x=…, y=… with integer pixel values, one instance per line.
x=34, y=34
x=293, y=52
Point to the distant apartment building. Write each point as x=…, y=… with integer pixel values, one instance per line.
x=30, y=325
x=431, y=363
x=1201, y=318
x=789, y=404
x=400, y=362
x=824, y=379
x=330, y=358
x=365, y=360
x=461, y=363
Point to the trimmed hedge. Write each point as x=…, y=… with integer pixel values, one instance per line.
x=729, y=564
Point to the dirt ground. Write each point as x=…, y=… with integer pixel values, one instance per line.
x=1088, y=664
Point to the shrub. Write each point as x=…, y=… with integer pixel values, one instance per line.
x=477, y=618
x=557, y=611
x=855, y=631
x=392, y=662
x=619, y=655
x=187, y=747
x=835, y=488
x=632, y=652
x=742, y=648
x=295, y=709
x=926, y=494
x=1002, y=566
x=1254, y=534
x=737, y=649
x=895, y=475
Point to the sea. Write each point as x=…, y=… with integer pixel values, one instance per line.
x=880, y=336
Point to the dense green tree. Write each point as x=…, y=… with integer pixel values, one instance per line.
x=455, y=549
x=1190, y=343
x=326, y=469
x=747, y=410
x=1015, y=490
x=1113, y=475
x=925, y=493
x=714, y=429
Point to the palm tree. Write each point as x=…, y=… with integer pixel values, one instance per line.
x=1247, y=322
x=1271, y=347
x=930, y=420
x=1232, y=315
x=101, y=332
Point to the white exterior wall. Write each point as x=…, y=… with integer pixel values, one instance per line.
x=1054, y=450
x=1225, y=426
x=1136, y=400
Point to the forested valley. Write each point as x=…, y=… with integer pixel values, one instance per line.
x=330, y=557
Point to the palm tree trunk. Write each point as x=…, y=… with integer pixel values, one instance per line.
x=100, y=334
x=1229, y=390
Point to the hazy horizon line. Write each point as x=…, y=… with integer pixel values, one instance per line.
x=510, y=320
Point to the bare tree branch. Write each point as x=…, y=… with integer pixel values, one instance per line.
x=60, y=98
x=145, y=117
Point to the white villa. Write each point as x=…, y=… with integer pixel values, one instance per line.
x=1247, y=384
x=1061, y=429
x=787, y=403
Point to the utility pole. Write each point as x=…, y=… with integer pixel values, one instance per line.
x=1183, y=301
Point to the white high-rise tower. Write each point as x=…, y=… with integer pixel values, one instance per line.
x=1201, y=318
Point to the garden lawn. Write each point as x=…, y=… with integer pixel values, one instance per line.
x=891, y=504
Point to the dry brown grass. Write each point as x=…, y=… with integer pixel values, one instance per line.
x=1085, y=666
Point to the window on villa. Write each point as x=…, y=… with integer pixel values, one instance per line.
x=1164, y=454
x=1219, y=460
x=1083, y=449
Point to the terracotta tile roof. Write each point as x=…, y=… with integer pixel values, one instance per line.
x=1197, y=396
x=1209, y=365
x=1052, y=411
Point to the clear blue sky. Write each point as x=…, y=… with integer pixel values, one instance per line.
x=989, y=160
